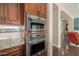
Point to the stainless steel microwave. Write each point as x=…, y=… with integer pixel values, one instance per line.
x=35, y=23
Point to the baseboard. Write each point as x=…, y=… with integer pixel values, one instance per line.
x=74, y=45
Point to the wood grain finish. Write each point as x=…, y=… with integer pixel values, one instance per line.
x=1, y=9
x=13, y=13
x=21, y=14
x=39, y=9
x=9, y=13
x=31, y=8
x=14, y=51
x=42, y=9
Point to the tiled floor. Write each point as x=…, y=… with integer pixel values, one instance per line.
x=71, y=51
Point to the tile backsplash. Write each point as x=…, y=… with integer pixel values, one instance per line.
x=8, y=31
x=9, y=28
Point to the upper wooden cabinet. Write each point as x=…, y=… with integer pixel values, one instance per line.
x=30, y=8
x=13, y=13
x=39, y=9
x=42, y=9
x=1, y=9
x=2, y=13
x=9, y=13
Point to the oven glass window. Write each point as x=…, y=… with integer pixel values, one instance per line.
x=37, y=36
x=37, y=47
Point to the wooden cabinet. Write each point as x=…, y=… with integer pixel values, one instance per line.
x=42, y=9
x=13, y=14
x=30, y=8
x=14, y=51
x=39, y=9
x=21, y=14
x=1, y=9
x=9, y=13
x=1, y=13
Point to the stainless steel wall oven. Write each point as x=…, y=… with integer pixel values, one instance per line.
x=36, y=29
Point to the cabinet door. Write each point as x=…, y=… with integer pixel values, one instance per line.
x=30, y=8
x=42, y=9
x=13, y=13
x=13, y=51
x=39, y=9
x=1, y=9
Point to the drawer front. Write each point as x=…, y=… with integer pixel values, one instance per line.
x=14, y=51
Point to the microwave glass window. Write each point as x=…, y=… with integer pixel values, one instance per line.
x=33, y=28
x=36, y=26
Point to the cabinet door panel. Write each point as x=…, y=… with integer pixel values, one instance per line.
x=13, y=51
x=39, y=9
x=30, y=8
x=42, y=9
x=9, y=13
x=2, y=13
x=13, y=12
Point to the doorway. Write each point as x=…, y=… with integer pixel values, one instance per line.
x=63, y=32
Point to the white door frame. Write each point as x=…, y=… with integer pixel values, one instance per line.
x=50, y=28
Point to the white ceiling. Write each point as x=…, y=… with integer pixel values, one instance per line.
x=71, y=8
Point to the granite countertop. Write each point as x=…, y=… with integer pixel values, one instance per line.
x=10, y=36
x=10, y=41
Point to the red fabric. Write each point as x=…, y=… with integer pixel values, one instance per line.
x=73, y=37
